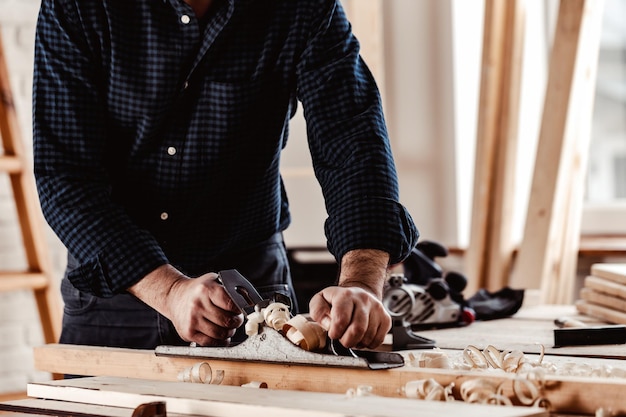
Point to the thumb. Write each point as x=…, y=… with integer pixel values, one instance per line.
x=319, y=309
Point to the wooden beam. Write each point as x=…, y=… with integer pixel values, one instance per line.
x=35, y=406
x=225, y=401
x=566, y=394
x=548, y=252
x=490, y=252
x=13, y=281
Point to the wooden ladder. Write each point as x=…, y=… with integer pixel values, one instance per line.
x=38, y=273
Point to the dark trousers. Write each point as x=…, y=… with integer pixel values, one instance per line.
x=125, y=321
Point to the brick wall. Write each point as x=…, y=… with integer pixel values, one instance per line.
x=20, y=329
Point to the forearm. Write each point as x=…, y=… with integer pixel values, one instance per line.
x=200, y=309
x=364, y=268
x=156, y=287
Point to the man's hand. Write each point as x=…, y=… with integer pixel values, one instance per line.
x=352, y=311
x=199, y=308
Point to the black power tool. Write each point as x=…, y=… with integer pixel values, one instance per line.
x=425, y=297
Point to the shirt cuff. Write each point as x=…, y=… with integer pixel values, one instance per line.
x=119, y=266
x=372, y=223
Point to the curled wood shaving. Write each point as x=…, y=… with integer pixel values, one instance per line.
x=201, y=373
x=274, y=315
x=255, y=320
x=430, y=359
x=509, y=361
x=360, y=391
x=526, y=387
x=306, y=333
x=603, y=412
x=428, y=389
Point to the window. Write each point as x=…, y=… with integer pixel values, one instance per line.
x=605, y=211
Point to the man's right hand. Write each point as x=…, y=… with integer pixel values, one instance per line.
x=200, y=308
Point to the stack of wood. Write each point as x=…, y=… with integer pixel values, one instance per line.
x=603, y=295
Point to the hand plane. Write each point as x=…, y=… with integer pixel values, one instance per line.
x=268, y=344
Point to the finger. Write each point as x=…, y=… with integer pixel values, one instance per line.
x=356, y=329
x=213, y=331
x=218, y=294
x=319, y=310
x=375, y=335
x=203, y=340
x=216, y=315
x=206, y=330
x=380, y=325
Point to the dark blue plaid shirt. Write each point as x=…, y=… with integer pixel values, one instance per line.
x=157, y=137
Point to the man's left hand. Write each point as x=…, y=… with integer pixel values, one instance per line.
x=352, y=315
x=352, y=311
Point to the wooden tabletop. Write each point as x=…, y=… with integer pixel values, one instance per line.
x=527, y=331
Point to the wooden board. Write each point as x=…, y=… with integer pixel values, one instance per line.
x=548, y=252
x=566, y=394
x=490, y=255
x=605, y=286
x=601, y=312
x=605, y=300
x=40, y=407
x=225, y=401
x=613, y=272
x=526, y=331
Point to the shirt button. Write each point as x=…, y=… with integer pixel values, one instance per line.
x=171, y=150
x=185, y=19
x=164, y=216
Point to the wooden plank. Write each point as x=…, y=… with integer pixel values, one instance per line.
x=605, y=300
x=490, y=255
x=10, y=164
x=613, y=272
x=545, y=249
x=602, y=246
x=523, y=335
x=35, y=406
x=13, y=281
x=10, y=396
x=605, y=286
x=566, y=394
x=601, y=312
x=225, y=401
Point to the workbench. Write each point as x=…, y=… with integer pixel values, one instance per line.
x=127, y=378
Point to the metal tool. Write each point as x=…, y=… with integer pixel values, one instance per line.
x=424, y=297
x=271, y=346
x=572, y=332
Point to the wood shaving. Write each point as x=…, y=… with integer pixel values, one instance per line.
x=201, y=373
x=428, y=389
x=275, y=315
x=306, y=333
x=360, y=391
